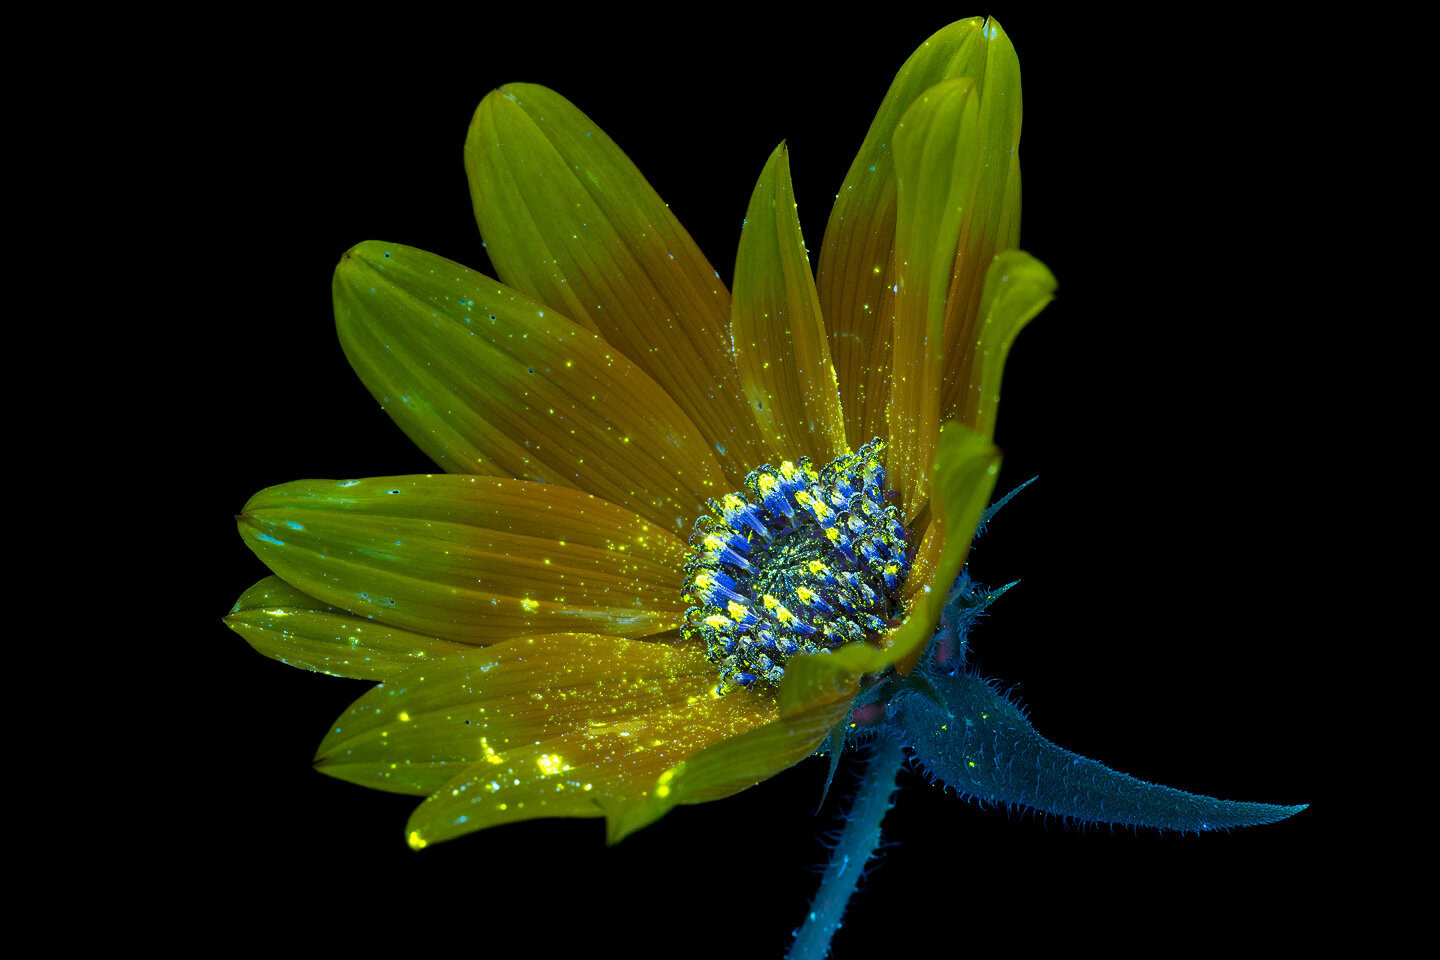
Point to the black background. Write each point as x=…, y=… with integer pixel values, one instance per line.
x=1178, y=554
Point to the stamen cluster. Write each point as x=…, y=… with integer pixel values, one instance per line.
x=803, y=562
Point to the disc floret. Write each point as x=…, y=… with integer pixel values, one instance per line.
x=803, y=561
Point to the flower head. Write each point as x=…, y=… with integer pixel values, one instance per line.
x=679, y=527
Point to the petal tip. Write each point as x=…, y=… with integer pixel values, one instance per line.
x=514, y=92
x=993, y=31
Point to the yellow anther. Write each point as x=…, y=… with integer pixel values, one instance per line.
x=718, y=621
x=738, y=611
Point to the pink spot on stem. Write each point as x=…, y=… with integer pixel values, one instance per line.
x=868, y=714
x=945, y=648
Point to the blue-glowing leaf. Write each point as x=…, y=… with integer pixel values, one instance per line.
x=984, y=747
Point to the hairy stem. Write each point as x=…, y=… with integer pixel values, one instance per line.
x=858, y=840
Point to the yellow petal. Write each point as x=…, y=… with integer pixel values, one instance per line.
x=555, y=726
x=1017, y=287
x=964, y=472
x=471, y=559
x=856, y=267
x=569, y=220
x=293, y=627
x=596, y=770
x=727, y=767
x=937, y=162
x=991, y=222
x=992, y=217
x=429, y=724
x=487, y=380
x=778, y=333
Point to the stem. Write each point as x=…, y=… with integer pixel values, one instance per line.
x=858, y=840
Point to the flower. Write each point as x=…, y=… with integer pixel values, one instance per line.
x=555, y=633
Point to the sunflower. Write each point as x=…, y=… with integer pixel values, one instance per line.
x=679, y=528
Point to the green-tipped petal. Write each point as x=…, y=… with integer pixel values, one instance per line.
x=569, y=220
x=487, y=380
x=470, y=559
x=1017, y=287
x=779, y=336
x=727, y=767
x=937, y=163
x=964, y=470
x=295, y=628
x=856, y=268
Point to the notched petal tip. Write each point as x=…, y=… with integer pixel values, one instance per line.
x=353, y=260
x=365, y=256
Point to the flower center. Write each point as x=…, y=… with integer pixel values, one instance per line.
x=807, y=561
